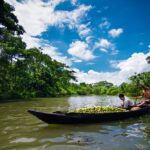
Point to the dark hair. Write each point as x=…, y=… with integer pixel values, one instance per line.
x=121, y=95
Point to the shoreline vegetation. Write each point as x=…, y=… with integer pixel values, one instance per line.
x=29, y=73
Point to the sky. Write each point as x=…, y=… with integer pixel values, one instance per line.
x=99, y=39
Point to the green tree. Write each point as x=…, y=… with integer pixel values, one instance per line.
x=8, y=19
x=141, y=79
x=113, y=90
x=27, y=72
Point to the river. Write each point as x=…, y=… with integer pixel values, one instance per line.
x=19, y=130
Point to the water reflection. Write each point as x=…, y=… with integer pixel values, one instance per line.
x=23, y=140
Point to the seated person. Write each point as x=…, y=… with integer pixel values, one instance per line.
x=127, y=104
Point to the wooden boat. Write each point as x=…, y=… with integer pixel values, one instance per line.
x=86, y=118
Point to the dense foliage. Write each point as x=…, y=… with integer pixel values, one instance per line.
x=100, y=88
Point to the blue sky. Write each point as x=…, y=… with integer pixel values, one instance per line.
x=99, y=39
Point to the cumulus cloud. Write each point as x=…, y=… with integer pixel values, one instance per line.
x=103, y=44
x=47, y=48
x=115, y=32
x=126, y=68
x=106, y=46
x=80, y=50
x=136, y=63
x=36, y=15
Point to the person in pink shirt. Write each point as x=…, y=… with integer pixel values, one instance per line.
x=127, y=104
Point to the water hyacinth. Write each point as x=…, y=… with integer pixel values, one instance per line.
x=99, y=109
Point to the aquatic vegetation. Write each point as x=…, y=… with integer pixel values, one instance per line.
x=99, y=109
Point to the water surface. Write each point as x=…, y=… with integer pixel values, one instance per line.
x=22, y=131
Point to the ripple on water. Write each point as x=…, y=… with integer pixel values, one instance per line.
x=23, y=140
x=135, y=130
x=53, y=140
x=81, y=141
x=83, y=138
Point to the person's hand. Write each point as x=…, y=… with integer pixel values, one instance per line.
x=143, y=102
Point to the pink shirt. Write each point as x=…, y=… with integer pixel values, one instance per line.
x=127, y=103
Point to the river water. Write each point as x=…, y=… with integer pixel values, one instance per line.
x=20, y=130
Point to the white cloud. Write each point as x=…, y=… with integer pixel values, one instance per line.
x=148, y=46
x=104, y=24
x=126, y=68
x=115, y=32
x=92, y=76
x=55, y=54
x=31, y=41
x=103, y=44
x=136, y=63
x=47, y=48
x=73, y=18
x=36, y=15
x=80, y=50
x=83, y=30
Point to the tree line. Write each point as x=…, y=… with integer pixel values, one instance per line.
x=27, y=73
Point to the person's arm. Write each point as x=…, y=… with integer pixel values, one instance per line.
x=141, y=104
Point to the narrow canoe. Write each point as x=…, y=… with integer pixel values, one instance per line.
x=81, y=118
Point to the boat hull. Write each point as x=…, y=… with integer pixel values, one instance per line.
x=87, y=118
